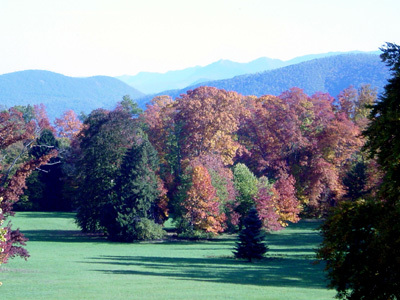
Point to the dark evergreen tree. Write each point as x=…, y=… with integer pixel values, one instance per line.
x=45, y=143
x=103, y=143
x=383, y=132
x=134, y=196
x=251, y=238
x=355, y=181
x=360, y=244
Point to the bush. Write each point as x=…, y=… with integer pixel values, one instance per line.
x=128, y=229
x=148, y=230
x=186, y=231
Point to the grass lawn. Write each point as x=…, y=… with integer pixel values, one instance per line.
x=66, y=264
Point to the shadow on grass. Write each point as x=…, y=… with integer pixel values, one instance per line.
x=45, y=215
x=68, y=236
x=278, y=272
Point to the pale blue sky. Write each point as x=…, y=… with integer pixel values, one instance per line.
x=116, y=37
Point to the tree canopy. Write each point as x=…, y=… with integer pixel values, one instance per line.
x=361, y=245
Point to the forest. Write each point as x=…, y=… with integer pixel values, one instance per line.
x=203, y=160
x=206, y=160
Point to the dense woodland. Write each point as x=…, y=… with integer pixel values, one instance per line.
x=205, y=159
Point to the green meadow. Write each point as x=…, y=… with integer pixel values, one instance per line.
x=66, y=264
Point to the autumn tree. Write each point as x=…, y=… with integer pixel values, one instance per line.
x=303, y=137
x=200, y=123
x=68, y=125
x=223, y=182
x=164, y=134
x=202, y=206
x=209, y=118
x=356, y=104
x=15, y=167
x=41, y=118
x=266, y=205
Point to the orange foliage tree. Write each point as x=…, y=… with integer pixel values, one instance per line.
x=202, y=206
x=68, y=125
x=209, y=118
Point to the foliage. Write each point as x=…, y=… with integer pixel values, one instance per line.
x=209, y=118
x=3, y=233
x=302, y=138
x=361, y=244
x=251, y=238
x=383, y=131
x=287, y=205
x=147, y=229
x=361, y=249
x=15, y=167
x=246, y=186
x=68, y=125
x=104, y=140
x=202, y=206
x=355, y=181
x=133, y=199
x=265, y=203
x=130, y=106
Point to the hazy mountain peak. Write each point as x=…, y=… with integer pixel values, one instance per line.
x=59, y=92
x=152, y=83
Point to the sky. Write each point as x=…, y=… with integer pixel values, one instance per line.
x=123, y=37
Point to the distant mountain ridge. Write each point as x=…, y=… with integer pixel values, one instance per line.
x=151, y=83
x=329, y=74
x=59, y=93
x=326, y=73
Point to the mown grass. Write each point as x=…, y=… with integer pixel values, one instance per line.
x=66, y=264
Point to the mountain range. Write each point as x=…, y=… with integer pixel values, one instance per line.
x=151, y=83
x=60, y=93
x=329, y=74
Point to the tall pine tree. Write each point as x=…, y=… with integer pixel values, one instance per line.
x=131, y=209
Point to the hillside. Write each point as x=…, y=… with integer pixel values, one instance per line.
x=151, y=83
x=328, y=74
x=59, y=92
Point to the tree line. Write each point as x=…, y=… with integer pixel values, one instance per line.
x=208, y=158
x=204, y=160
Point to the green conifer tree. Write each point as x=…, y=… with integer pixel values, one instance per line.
x=251, y=238
x=130, y=214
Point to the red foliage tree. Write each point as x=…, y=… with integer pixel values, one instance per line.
x=301, y=136
x=42, y=119
x=14, y=130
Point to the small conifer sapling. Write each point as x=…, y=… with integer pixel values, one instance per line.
x=251, y=238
